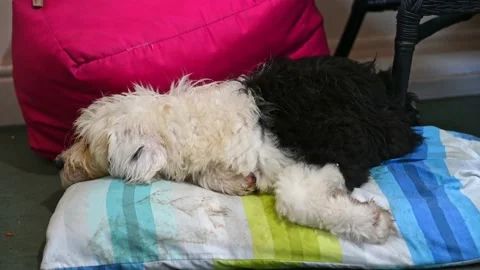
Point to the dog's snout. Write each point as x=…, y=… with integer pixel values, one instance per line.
x=59, y=163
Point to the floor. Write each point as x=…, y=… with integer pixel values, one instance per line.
x=29, y=191
x=30, y=188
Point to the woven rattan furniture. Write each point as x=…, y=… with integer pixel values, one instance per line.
x=409, y=30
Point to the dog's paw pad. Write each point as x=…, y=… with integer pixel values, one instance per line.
x=247, y=185
x=250, y=180
x=383, y=223
x=382, y=227
x=368, y=223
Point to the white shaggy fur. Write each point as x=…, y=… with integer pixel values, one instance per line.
x=209, y=135
x=316, y=197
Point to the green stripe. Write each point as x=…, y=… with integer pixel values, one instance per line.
x=255, y=264
x=289, y=242
x=330, y=248
x=281, y=242
x=262, y=242
x=296, y=242
x=310, y=249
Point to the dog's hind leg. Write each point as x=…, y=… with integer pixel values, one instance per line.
x=316, y=197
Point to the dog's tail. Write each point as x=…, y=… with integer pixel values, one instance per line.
x=411, y=100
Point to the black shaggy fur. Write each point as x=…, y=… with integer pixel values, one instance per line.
x=334, y=110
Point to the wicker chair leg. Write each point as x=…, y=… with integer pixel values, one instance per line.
x=432, y=26
x=405, y=41
x=357, y=14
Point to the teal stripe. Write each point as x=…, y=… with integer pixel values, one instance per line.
x=146, y=226
x=117, y=223
x=142, y=222
x=404, y=216
x=162, y=197
x=133, y=233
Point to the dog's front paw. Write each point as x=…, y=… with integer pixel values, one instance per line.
x=371, y=224
x=380, y=229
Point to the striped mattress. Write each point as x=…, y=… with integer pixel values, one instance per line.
x=433, y=193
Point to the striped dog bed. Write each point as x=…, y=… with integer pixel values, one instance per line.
x=433, y=193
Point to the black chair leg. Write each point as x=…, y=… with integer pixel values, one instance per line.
x=357, y=14
x=432, y=26
x=405, y=41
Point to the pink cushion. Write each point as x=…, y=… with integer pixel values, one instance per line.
x=69, y=53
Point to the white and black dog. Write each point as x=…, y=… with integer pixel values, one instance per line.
x=306, y=130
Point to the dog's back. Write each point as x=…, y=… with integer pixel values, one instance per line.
x=333, y=110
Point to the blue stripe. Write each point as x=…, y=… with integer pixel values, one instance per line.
x=442, y=237
x=427, y=210
x=466, y=219
x=446, y=218
x=404, y=216
x=117, y=223
x=146, y=225
x=435, y=149
x=453, y=203
x=422, y=212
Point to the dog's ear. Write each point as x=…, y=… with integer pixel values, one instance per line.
x=135, y=157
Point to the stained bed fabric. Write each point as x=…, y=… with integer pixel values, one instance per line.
x=433, y=193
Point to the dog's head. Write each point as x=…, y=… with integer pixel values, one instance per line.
x=80, y=162
x=134, y=157
x=111, y=142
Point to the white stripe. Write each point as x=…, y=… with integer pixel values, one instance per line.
x=393, y=252
x=100, y=243
x=208, y=224
x=179, y=264
x=238, y=238
x=165, y=221
x=458, y=148
x=463, y=163
x=69, y=237
x=53, y=256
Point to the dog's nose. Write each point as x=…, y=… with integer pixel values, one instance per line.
x=59, y=163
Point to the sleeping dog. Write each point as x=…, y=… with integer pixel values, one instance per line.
x=306, y=130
